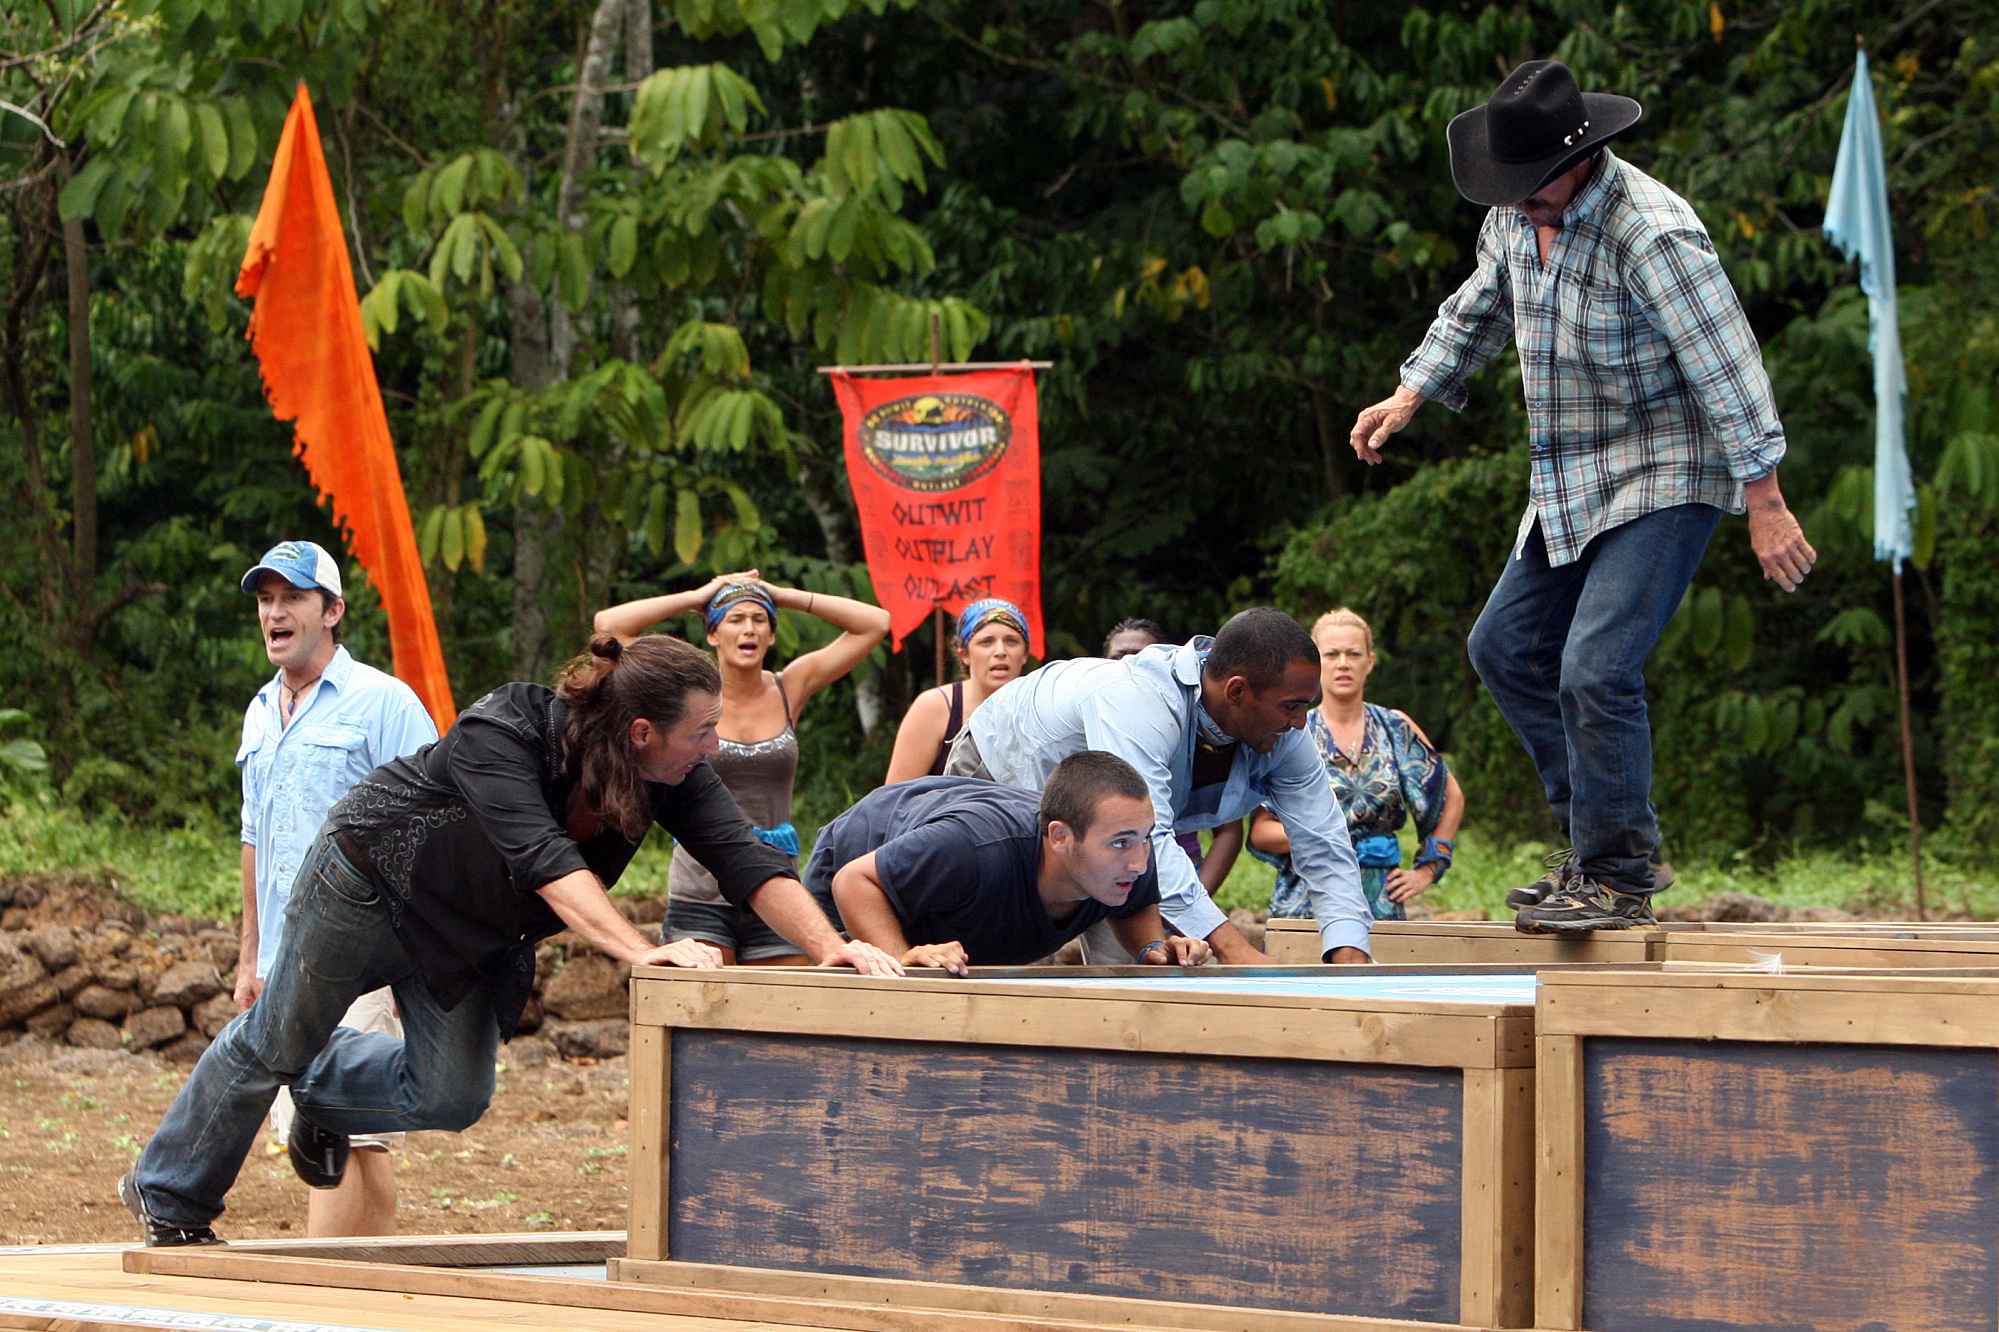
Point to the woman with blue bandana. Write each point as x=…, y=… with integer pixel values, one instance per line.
x=992, y=649
x=758, y=761
x=1384, y=772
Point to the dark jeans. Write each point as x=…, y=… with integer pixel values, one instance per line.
x=1562, y=652
x=337, y=946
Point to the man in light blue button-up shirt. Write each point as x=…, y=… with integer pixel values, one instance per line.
x=1215, y=729
x=322, y=723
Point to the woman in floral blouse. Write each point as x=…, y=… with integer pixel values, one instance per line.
x=1384, y=772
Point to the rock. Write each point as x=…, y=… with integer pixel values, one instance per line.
x=18, y=966
x=51, y=1023
x=1822, y=914
x=647, y=910
x=1744, y=907
x=532, y=1015
x=73, y=979
x=186, y=1050
x=114, y=937
x=186, y=984
x=531, y=1053
x=588, y=987
x=27, y=893
x=213, y=1016
x=224, y=947
x=114, y=974
x=600, y=1039
x=14, y=918
x=54, y=945
x=29, y=999
x=155, y=1026
x=94, y=1034
x=1245, y=920
x=100, y=1001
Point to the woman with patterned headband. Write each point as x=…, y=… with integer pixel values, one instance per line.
x=992, y=649
x=760, y=709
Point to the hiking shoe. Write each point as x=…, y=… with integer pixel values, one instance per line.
x=1664, y=876
x=317, y=1156
x=1561, y=865
x=160, y=1235
x=1583, y=905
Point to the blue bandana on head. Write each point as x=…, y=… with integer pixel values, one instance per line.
x=982, y=613
x=734, y=593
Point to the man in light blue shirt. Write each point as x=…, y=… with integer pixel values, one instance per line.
x=322, y=723
x=1216, y=729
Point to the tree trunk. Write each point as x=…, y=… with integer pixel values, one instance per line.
x=82, y=431
x=821, y=483
x=579, y=155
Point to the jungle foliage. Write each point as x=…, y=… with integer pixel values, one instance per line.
x=603, y=246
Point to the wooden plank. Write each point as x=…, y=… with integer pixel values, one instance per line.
x=1090, y=1310
x=650, y=1072
x=1739, y=1008
x=1292, y=941
x=634, y=1297
x=523, y=1250
x=1815, y=1188
x=1498, y=1246
x=1558, y=1184
x=1344, y=1030
x=1110, y=1173
x=1846, y=950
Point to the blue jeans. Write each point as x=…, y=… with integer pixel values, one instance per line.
x=1562, y=651
x=337, y=945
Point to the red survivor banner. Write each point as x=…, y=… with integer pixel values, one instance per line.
x=946, y=471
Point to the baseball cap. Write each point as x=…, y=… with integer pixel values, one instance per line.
x=302, y=563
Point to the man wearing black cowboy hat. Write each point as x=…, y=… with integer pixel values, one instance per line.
x=1649, y=416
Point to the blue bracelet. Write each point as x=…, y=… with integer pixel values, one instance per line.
x=1435, y=851
x=1156, y=943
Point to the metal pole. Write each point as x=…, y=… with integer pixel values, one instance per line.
x=1908, y=744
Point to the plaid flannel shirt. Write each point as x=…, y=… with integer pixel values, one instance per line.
x=1645, y=387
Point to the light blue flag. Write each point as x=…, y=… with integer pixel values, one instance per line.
x=1856, y=220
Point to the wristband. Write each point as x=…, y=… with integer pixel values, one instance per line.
x=1435, y=851
x=1156, y=943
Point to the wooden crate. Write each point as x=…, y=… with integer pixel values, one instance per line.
x=1812, y=1152
x=1124, y=1152
x=1813, y=946
x=1455, y=942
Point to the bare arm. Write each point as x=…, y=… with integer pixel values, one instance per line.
x=1267, y=834
x=248, y=986
x=579, y=898
x=787, y=908
x=869, y=917
x=1147, y=926
x=1774, y=534
x=1222, y=852
x=863, y=626
x=1375, y=424
x=633, y=618
x=916, y=740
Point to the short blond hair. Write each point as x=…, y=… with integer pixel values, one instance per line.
x=1343, y=616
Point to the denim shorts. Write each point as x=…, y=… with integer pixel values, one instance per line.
x=726, y=926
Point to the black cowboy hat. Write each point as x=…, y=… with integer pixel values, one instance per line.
x=1536, y=126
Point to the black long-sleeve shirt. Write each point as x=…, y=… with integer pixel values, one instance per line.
x=461, y=836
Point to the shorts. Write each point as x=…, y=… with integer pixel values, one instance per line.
x=735, y=928
x=964, y=760
x=373, y=1011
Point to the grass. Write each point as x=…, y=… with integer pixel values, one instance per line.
x=195, y=871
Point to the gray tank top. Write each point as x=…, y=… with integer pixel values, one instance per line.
x=760, y=777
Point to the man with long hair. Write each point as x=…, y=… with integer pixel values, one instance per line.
x=436, y=876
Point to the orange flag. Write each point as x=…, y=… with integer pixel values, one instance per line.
x=306, y=329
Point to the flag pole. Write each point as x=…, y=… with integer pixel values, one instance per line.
x=1908, y=745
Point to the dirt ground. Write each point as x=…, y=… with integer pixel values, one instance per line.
x=550, y=1153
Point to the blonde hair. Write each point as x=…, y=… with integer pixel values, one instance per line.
x=1343, y=616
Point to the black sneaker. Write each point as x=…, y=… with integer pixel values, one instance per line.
x=317, y=1156
x=160, y=1235
x=1583, y=905
x=1560, y=865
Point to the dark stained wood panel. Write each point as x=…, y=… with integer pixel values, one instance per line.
x=1803, y=1188
x=1278, y=1183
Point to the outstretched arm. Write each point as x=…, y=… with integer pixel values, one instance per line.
x=790, y=910
x=864, y=626
x=580, y=900
x=1143, y=928
x=869, y=916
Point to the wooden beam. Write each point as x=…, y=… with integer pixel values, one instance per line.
x=1498, y=1216
x=650, y=1073
x=1558, y=1184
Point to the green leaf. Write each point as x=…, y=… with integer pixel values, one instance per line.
x=655, y=524
x=481, y=436
x=572, y=271
x=687, y=527
x=428, y=533
x=1926, y=526
x=449, y=190
x=1707, y=623
x=534, y=474
x=451, y=542
x=79, y=196
x=1738, y=638
x=242, y=137
x=623, y=249
x=214, y=139
x=1856, y=627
